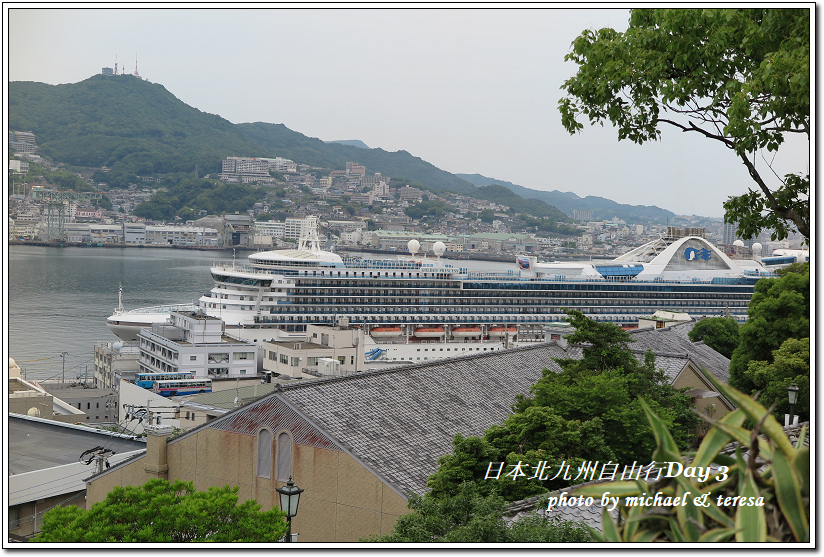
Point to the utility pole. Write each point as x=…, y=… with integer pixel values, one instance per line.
x=63, y=376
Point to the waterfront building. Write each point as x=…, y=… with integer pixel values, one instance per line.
x=134, y=232
x=327, y=351
x=195, y=342
x=180, y=235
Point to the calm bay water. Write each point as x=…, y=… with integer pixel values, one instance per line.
x=59, y=298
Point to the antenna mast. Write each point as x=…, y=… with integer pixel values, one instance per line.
x=115, y=64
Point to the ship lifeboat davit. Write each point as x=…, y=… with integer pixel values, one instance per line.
x=500, y=331
x=464, y=332
x=385, y=332
x=429, y=332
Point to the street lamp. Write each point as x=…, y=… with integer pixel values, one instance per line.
x=289, y=498
x=792, y=396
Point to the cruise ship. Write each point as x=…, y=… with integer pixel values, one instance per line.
x=412, y=299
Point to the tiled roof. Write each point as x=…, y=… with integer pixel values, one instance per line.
x=400, y=421
x=674, y=340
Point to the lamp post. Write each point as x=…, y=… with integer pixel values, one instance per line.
x=792, y=397
x=289, y=498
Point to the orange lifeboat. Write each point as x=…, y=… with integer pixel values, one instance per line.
x=385, y=332
x=499, y=331
x=429, y=332
x=464, y=332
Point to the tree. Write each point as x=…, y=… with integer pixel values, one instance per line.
x=779, y=310
x=790, y=364
x=159, y=511
x=468, y=516
x=775, y=489
x=589, y=411
x=719, y=333
x=737, y=76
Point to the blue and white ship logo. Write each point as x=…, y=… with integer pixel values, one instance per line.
x=691, y=254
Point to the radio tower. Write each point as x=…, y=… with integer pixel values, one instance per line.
x=135, y=66
x=115, y=64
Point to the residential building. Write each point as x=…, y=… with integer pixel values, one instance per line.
x=196, y=342
x=113, y=362
x=21, y=167
x=273, y=229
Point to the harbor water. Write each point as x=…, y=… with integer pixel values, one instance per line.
x=59, y=298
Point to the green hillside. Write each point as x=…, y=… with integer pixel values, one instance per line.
x=139, y=128
x=567, y=202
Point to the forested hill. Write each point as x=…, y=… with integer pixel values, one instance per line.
x=139, y=128
x=601, y=207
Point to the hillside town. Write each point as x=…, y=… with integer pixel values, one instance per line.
x=357, y=209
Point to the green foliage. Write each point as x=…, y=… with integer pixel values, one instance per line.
x=737, y=76
x=138, y=128
x=159, y=511
x=434, y=208
x=546, y=225
x=589, y=411
x=212, y=196
x=784, y=486
x=790, y=364
x=468, y=516
x=502, y=195
x=487, y=215
x=779, y=310
x=719, y=333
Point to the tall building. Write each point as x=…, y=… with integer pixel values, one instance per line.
x=584, y=216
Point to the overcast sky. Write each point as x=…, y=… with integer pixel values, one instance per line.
x=468, y=90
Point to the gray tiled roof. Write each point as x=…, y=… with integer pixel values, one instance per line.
x=674, y=340
x=400, y=421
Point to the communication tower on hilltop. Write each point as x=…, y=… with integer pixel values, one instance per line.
x=115, y=64
x=137, y=75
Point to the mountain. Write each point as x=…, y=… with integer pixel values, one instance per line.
x=352, y=142
x=139, y=128
x=601, y=207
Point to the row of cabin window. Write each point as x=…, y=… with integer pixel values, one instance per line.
x=283, y=458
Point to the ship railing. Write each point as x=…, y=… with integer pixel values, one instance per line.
x=164, y=308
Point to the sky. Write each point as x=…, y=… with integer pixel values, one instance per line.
x=468, y=90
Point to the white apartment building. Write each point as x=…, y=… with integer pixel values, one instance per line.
x=348, y=225
x=19, y=166
x=196, y=343
x=271, y=228
x=294, y=227
x=247, y=169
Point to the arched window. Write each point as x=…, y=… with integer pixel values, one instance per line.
x=283, y=466
x=264, y=454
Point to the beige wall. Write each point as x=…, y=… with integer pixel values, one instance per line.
x=692, y=379
x=342, y=502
